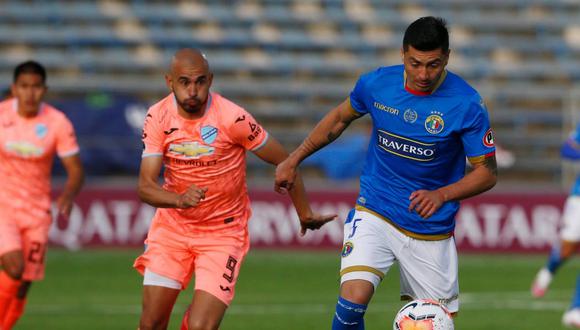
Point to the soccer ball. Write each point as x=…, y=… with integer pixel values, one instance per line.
x=423, y=314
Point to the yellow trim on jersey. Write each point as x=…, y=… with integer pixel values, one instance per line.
x=352, y=110
x=422, y=237
x=439, y=82
x=362, y=269
x=476, y=159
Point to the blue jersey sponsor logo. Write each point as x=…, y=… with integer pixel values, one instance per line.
x=406, y=148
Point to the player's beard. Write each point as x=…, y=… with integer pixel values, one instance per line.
x=190, y=107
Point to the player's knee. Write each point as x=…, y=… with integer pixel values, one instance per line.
x=201, y=324
x=567, y=249
x=356, y=297
x=358, y=291
x=13, y=264
x=14, y=269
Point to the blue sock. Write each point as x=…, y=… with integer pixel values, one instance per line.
x=554, y=261
x=576, y=298
x=348, y=315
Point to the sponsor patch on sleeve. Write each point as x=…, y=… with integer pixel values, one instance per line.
x=488, y=139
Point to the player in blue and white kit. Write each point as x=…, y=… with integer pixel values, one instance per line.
x=569, y=237
x=426, y=120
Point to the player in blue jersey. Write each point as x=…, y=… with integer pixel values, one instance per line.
x=569, y=238
x=571, y=317
x=426, y=120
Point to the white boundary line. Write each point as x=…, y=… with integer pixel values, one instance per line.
x=516, y=300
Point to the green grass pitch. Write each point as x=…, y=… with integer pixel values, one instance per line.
x=279, y=290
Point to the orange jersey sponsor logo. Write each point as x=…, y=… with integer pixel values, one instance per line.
x=24, y=149
x=193, y=150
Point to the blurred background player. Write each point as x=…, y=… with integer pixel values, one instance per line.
x=200, y=227
x=31, y=134
x=426, y=120
x=571, y=317
x=569, y=236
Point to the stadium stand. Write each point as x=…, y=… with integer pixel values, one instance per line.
x=289, y=61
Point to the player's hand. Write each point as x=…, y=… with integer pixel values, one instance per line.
x=314, y=221
x=426, y=202
x=64, y=204
x=191, y=197
x=285, y=176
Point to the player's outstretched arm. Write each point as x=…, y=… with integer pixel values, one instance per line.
x=274, y=153
x=153, y=194
x=482, y=178
x=75, y=178
x=570, y=150
x=327, y=130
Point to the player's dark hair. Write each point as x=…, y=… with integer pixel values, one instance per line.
x=29, y=67
x=427, y=33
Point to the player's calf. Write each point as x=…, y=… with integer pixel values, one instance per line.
x=348, y=315
x=11, y=307
x=13, y=313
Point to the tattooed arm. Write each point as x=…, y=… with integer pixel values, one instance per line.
x=482, y=178
x=327, y=130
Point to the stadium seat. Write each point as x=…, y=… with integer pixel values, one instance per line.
x=290, y=61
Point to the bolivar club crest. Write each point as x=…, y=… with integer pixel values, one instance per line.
x=434, y=124
x=209, y=134
x=41, y=130
x=347, y=249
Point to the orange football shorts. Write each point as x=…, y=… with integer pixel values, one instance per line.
x=214, y=258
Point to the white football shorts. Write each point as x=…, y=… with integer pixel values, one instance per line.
x=428, y=269
x=570, y=230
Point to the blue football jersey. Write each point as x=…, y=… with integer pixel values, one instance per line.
x=418, y=142
x=570, y=151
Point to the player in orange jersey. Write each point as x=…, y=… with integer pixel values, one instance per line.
x=200, y=226
x=31, y=134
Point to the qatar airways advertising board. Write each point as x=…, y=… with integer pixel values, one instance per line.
x=492, y=222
